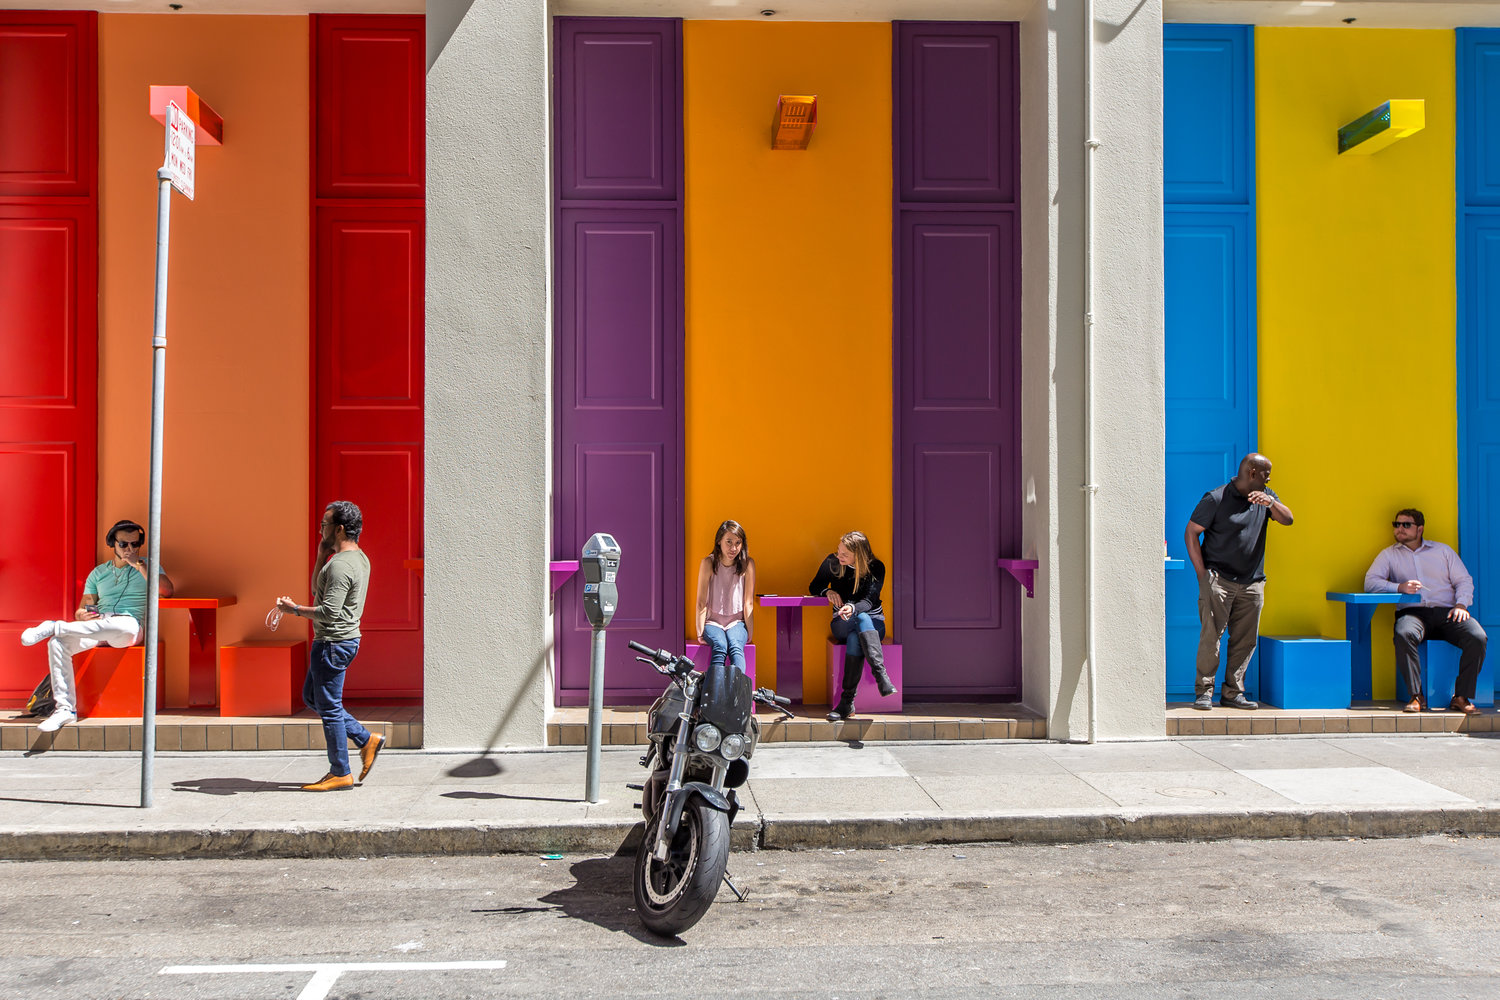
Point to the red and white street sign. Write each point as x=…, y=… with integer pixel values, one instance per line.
x=182, y=141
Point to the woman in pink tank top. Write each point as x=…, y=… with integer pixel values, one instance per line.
x=726, y=597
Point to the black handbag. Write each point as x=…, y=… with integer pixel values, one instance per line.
x=41, y=703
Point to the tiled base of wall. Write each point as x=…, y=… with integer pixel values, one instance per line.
x=1365, y=717
x=627, y=726
x=208, y=731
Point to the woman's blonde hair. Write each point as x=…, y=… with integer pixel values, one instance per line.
x=859, y=546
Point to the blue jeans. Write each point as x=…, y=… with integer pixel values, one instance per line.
x=848, y=632
x=323, y=692
x=726, y=644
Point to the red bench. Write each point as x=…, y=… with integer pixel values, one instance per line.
x=109, y=682
x=262, y=678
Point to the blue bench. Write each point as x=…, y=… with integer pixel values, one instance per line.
x=1304, y=671
x=1439, y=664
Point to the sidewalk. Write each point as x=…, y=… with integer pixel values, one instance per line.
x=84, y=805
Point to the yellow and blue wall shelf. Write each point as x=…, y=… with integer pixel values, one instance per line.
x=1375, y=130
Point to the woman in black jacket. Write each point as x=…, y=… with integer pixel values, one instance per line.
x=851, y=578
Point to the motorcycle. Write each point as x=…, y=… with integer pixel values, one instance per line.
x=702, y=734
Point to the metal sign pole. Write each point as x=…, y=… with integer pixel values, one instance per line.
x=153, y=528
x=596, y=716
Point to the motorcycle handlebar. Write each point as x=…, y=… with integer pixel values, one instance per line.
x=662, y=659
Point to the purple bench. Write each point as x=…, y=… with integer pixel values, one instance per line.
x=699, y=653
x=867, y=697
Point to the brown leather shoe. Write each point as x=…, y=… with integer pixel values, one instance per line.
x=1415, y=705
x=331, y=783
x=1464, y=705
x=368, y=753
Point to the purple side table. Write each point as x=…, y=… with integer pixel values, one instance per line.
x=789, y=639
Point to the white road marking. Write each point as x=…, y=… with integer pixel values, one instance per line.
x=325, y=974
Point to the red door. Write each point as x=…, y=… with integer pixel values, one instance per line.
x=368, y=90
x=49, y=128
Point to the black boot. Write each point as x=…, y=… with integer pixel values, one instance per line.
x=854, y=666
x=876, y=656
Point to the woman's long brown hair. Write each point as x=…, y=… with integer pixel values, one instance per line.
x=741, y=561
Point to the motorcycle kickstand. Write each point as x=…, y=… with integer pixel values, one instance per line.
x=734, y=888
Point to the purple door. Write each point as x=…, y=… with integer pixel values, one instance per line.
x=957, y=315
x=619, y=339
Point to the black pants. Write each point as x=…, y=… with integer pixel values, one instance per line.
x=1415, y=624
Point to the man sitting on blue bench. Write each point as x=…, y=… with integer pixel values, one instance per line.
x=1414, y=565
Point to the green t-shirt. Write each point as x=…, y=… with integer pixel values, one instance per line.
x=121, y=590
x=339, y=596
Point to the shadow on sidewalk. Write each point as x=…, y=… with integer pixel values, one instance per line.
x=601, y=893
x=69, y=802
x=233, y=786
x=502, y=795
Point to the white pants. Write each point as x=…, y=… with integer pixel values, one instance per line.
x=71, y=638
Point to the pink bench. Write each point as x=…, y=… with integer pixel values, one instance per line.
x=700, y=654
x=867, y=697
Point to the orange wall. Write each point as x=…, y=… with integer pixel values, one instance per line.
x=788, y=355
x=235, y=508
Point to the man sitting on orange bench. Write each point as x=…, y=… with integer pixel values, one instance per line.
x=112, y=613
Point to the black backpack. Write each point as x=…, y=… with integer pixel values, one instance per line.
x=41, y=703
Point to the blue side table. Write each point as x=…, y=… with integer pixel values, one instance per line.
x=1359, y=608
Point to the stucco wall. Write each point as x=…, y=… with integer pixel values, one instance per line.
x=789, y=257
x=1129, y=374
x=238, y=395
x=488, y=632
x=1356, y=267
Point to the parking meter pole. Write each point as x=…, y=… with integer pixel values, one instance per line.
x=600, y=563
x=596, y=716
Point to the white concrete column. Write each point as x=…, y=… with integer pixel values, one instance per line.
x=487, y=625
x=1129, y=368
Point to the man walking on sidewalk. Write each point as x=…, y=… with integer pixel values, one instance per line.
x=1231, y=574
x=339, y=585
x=111, y=613
x=1416, y=566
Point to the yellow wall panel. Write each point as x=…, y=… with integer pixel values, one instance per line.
x=788, y=354
x=1355, y=260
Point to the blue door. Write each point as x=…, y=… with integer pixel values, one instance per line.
x=1210, y=292
x=1479, y=315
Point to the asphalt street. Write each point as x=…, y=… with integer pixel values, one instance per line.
x=1242, y=919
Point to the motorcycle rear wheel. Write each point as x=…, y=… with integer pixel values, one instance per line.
x=673, y=895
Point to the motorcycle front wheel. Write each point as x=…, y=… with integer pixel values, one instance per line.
x=673, y=895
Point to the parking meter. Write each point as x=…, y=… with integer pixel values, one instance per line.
x=600, y=563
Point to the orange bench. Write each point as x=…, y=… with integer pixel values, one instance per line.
x=262, y=678
x=109, y=682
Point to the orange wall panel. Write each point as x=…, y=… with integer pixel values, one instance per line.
x=788, y=354
x=235, y=509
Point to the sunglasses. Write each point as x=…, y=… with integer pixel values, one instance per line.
x=1404, y=524
x=129, y=545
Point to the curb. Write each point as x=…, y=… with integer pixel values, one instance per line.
x=1060, y=828
x=749, y=834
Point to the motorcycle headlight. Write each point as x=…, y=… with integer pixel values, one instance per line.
x=706, y=738
x=734, y=746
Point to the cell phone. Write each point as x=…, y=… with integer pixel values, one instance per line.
x=91, y=608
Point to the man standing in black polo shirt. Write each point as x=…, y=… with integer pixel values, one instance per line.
x=1231, y=574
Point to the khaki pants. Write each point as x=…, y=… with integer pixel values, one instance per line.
x=1223, y=604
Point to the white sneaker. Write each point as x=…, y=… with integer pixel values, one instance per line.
x=38, y=633
x=56, y=721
